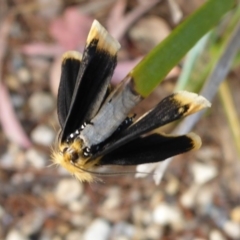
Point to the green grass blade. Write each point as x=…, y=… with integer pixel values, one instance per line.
x=217, y=75
x=156, y=65
x=230, y=112
x=204, y=61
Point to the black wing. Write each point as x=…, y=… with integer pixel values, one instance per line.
x=153, y=148
x=171, y=108
x=97, y=66
x=70, y=66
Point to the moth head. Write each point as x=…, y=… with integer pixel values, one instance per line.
x=70, y=156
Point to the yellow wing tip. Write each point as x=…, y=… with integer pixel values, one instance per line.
x=105, y=41
x=71, y=55
x=196, y=102
x=196, y=140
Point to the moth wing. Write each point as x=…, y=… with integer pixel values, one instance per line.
x=171, y=108
x=71, y=61
x=97, y=66
x=152, y=148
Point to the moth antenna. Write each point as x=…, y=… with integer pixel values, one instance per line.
x=109, y=174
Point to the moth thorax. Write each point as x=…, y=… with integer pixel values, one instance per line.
x=73, y=136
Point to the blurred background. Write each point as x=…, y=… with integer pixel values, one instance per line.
x=199, y=194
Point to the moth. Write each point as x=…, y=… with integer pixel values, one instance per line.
x=97, y=128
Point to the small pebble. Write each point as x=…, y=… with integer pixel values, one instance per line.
x=23, y=75
x=17, y=61
x=113, y=199
x=205, y=197
x=76, y=206
x=188, y=198
x=172, y=186
x=165, y=214
x=36, y=158
x=235, y=214
x=232, y=229
x=55, y=237
x=99, y=229
x=156, y=198
x=216, y=235
x=15, y=235
x=68, y=190
x=74, y=235
x=154, y=232
x=7, y=160
x=17, y=100
x=43, y=135
x=14, y=157
x=207, y=154
x=79, y=205
x=62, y=229
x=81, y=220
x=217, y=214
x=50, y=9
x=123, y=230
x=175, y=10
x=144, y=33
x=41, y=103
x=141, y=216
x=202, y=173
x=12, y=82
x=32, y=223
x=122, y=238
x=140, y=233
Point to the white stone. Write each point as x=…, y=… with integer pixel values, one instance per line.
x=123, y=230
x=144, y=33
x=113, y=199
x=81, y=220
x=41, y=103
x=36, y=158
x=172, y=186
x=74, y=235
x=76, y=206
x=23, y=75
x=99, y=229
x=121, y=238
x=15, y=235
x=32, y=223
x=188, y=198
x=141, y=215
x=205, y=197
x=43, y=135
x=68, y=190
x=216, y=235
x=232, y=229
x=202, y=173
x=154, y=232
x=165, y=214
x=9, y=158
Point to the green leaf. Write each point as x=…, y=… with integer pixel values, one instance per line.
x=156, y=65
x=206, y=57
